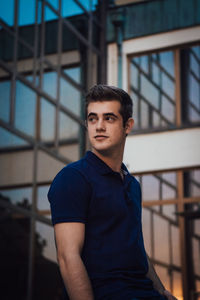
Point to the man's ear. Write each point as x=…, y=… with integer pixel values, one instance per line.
x=86, y=124
x=129, y=125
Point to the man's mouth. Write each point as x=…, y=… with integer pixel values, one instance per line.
x=99, y=137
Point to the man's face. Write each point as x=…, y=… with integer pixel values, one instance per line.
x=105, y=126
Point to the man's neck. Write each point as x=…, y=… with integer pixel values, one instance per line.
x=114, y=160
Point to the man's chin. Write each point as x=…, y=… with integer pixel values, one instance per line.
x=105, y=151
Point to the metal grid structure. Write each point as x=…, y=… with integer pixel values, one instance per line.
x=40, y=64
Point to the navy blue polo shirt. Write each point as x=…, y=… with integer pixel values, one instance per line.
x=89, y=191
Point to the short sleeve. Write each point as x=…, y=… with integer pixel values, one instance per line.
x=69, y=196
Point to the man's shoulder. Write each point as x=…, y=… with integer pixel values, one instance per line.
x=77, y=170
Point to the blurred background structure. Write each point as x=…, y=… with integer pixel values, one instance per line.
x=51, y=52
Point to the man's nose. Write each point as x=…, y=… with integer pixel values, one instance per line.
x=100, y=125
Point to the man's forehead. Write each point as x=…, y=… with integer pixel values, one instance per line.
x=104, y=106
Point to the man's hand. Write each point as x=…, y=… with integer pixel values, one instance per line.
x=168, y=295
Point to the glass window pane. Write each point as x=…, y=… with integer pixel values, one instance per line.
x=74, y=73
x=196, y=255
x=25, y=109
x=177, y=285
x=47, y=120
x=194, y=91
x=21, y=197
x=175, y=246
x=8, y=139
x=50, y=83
x=70, y=96
x=54, y=3
x=149, y=92
x=144, y=114
x=168, y=192
x=169, y=211
x=167, y=61
x=25, y=6
x=68, y=128
x=71, y=8
x=7, y=11
x=146, y=227
x=168, y=86
x=134, y=76
x=46, y=237
x=161, y=229
x=5, y=100
x=135, y=109
x=150, y=188
x=14, y=240
x=42, y=200
x=7, y=46
x=46, y=265
x=163, y=275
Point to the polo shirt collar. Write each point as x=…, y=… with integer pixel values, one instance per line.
x=101, y=166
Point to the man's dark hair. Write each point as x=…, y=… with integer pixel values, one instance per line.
x=102, y=92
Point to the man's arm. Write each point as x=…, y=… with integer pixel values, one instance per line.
x=69, y=242
x=157, y=282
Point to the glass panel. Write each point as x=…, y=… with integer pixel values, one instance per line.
x=71, y=8
x=161, y=229
x=7, y=11
x=164, y=276
x=42, y=200
x=5, y=99
x=68, y=128
x=177, y=285
x=25, y=61
x=144, y=114
x=50, y=83
x=135, y=109
x=150, y=188
x=51, y=33
x=134, y=76
x=74, y=73
x=8, y=139
x=21, y=197
x=46, y=238
x=194, y=183
x=169, y=211
x=7, y=46
x=168, y=192
x=46, y=265
x=146, y=227
x=168, y=109
x=47, y=120
x=196, y=255
x=70, y=97
x=149, y=92
x=25, y=18
x=25, y=109
x=167, y=61
x=175, y=246
x=14, y=241
x=54, y=3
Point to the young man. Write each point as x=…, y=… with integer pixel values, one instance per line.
x=96, y=211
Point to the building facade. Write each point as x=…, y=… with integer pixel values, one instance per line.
x=51, y=52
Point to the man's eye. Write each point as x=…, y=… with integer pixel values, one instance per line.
x=109, y=118
x=91, y=119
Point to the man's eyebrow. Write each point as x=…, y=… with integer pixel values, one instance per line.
x=91, y=114
x=105, y=114
x=110, y=114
